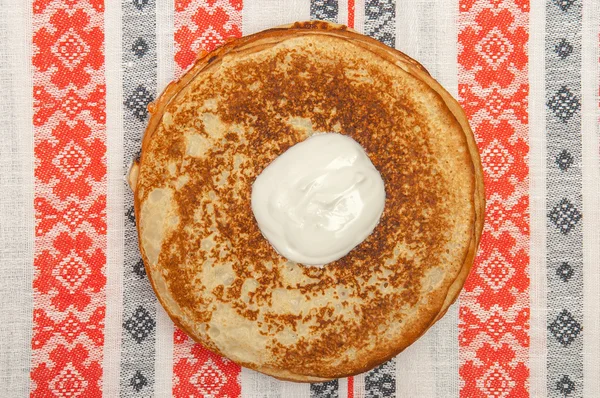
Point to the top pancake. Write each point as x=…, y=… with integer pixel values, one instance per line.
x=212, y=133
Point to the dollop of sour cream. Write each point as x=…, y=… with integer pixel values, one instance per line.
x=319, y=199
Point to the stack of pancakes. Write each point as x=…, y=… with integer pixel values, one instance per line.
x=212, y=133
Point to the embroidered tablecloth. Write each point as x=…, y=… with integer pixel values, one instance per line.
x=78, y=317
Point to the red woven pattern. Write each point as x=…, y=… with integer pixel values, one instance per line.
x=70, y=198
x=203, y=26
x=493, y=89
x=200, y=372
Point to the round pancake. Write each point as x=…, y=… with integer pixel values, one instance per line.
x=211, y=134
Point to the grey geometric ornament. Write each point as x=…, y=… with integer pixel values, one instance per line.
x=139, y=269
x=140, y=4
x=565, y=271
x=380, y=16
x=565, y=386
x=324, y=10
x=563, y=49
x=328, y=389
x=131, y=214
x=564, y=4
x=565, y=216
x=138, y=381
x=565, y=328
x=380, y=382
x=140, y=324
x=139, y=47
x=138, y=101
x=564, y=104
x=564, y=160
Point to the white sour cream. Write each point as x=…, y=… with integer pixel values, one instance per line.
x=319, y=199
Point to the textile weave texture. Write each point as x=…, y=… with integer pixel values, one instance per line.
x=79, y=317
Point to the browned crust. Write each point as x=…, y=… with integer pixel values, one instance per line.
x=413, y=67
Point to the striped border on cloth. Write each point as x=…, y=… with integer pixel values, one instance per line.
x=70, y=198
x=590, y=126
x=493, y=90
x=564, y=233
x=16, y=200
x=139, y=60
x=202, y=26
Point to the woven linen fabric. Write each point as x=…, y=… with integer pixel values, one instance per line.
x=78, y=316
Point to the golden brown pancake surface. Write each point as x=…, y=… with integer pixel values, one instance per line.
x=235, y=111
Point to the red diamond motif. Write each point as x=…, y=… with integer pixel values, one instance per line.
x=496, y=327
x=72, y=272
x=70, y=49
x=496, y=382
x=68, y=382
x=73, y=216
x=47, y=216
x=494, y=48
x=209, y=379
x=496, y=271
x=496, y=159
x=72, y=105
x=71, y=161
x=70, y=327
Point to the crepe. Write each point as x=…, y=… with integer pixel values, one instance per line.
x=213, y=131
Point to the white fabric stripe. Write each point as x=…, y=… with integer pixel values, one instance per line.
x=359, y=16
x=294, y=390
x=258, y=385
x=429, y=367
x=259, y=15
x=16, y=198
x=446, y=37
x=163, y=371
x=415, y=373
x=343, y=12
x=427, y=31
x=165, y=27
x=591, y=199
x=343, y=388
x=114, y=200
x=255, y=385
x=407, y=27
x=537, y=197
x=359, y=386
